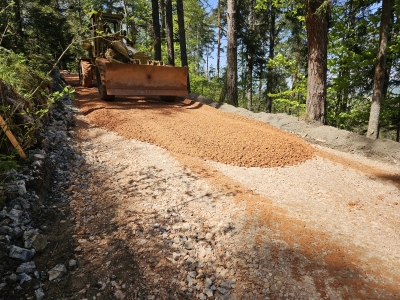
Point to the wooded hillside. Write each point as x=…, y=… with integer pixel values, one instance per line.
x=145, y=188
x=317, y=59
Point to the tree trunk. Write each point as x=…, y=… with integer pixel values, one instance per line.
x=156, y=28
x=207, y=62
x=124, y=4
x=344, y=105
x=162, y=10
x=379, y=76
x=397, y=121
x=393, y=32
x=219, y=38
x=398, y=126
x=182, y=34
x=250, y=57
x=317, y=41
x=249, y=82
x=223, y=93
x=260, y=83
x=18, y=20
x=128, y=23
x=182, y=37
x=298, y=55
x=169, y=32
x=271, y=55
x=231, y=84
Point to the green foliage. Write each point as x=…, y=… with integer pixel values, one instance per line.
x=28, y=101
x=390, y=116
x=17, y=70
x=352, y=53
x=200, y=34
x=291, y=102
x=353, y=42
x=66, y=92
x=354, y=119
x=53, y=98
x=290, y=107
x=7, y=28
x=48, y=32
x=33, y=36
x=210, y=88
x=8, y=162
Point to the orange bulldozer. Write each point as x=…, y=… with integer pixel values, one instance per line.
x=121, y=70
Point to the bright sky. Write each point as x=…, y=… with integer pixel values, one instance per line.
x=212, y=3
x=213, y=60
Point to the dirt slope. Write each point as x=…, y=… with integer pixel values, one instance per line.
x=184, y=201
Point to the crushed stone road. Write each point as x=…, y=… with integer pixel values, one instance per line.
x=182, y=201
x=206, y=204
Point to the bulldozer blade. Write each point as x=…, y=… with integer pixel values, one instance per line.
x=144, y=80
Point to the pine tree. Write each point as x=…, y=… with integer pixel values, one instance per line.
x=379, y=77
x=317, y=12
x=232, y=77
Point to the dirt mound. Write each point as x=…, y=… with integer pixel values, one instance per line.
x=194, y=129
x=328, y=136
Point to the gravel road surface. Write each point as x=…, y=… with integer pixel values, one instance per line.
x=183, y=201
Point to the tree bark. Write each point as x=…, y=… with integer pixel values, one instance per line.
x=18, y=20
x=169, y=32
x=249, y=92
x=222, y=95
x=398, y=126
x=317, y=41
x=182, y=37
x=379, y=76
x=162, y=10
x=156, y=28
x=231, y=84
x=271, y=55
x=393, y=34
x=250, y=57
x=219, y=37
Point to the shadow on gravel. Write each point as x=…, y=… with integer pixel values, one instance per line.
x=189, y=104
x=395, y=179
x=92, y=269
x=287, y=273
x=178, y=256
x=92, y=110
x=113, y=261
x=159, y=107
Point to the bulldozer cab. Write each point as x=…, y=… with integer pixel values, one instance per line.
x=104, y=29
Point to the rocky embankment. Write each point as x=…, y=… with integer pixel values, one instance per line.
x=32, y=198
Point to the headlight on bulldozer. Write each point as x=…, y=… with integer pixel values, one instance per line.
x=130, y=53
